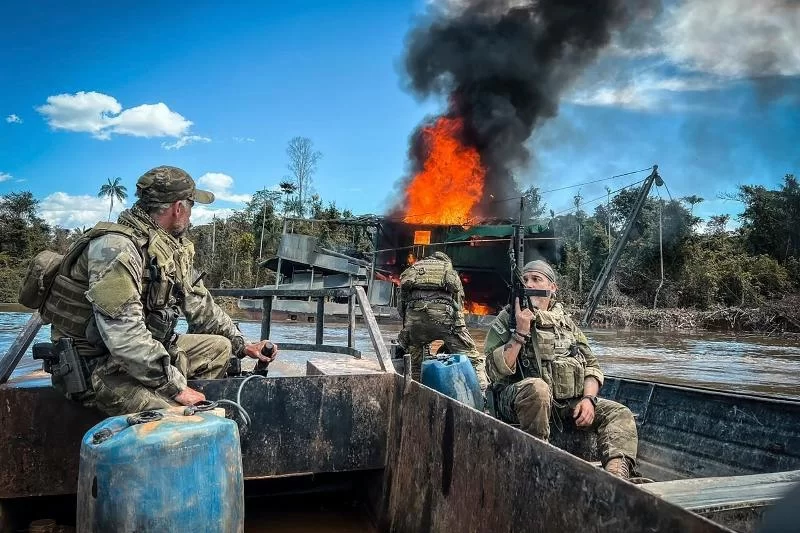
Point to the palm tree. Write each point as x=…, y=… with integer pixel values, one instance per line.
x=112, y=190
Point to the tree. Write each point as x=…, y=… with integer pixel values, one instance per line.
x=534, y=207
x=288, y=189
x=303, y=161
x=112, y=190
x=692, y=201
x=771, y=219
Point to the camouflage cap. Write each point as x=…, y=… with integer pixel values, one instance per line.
x=541, y=267
x=441, y=256
x=164, y=185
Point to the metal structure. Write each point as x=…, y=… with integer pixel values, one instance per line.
x=611, y=263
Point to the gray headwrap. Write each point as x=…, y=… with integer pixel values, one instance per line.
x=541, y=267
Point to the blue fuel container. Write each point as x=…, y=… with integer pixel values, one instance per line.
x=166, y=470
x=454, y=377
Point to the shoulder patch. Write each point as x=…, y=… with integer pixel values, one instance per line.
x=499, y=327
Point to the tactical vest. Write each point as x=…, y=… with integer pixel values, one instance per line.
x=430, y=275
x=162, y=285
x=553, y=355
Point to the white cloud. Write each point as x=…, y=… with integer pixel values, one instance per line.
x=13, y=119
x=205, y=215
x=4, y=176
x=221, y=184
x=643, y=92
x=102, y=115
x=185, y=141
x=72, y=212
x=244, y=139
x=734, y=38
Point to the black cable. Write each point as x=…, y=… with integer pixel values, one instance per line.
x=600, y=197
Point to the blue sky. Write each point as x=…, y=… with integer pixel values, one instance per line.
x=96, y=91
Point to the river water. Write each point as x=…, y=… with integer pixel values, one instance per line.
x=723, y=361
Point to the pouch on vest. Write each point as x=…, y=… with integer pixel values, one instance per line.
x=567, y=375
x=41, y=273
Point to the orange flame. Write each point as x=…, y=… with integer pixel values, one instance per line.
x=452, y=177
x=477, y=309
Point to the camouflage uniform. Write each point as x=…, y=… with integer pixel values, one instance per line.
x=124, y=279
x=436, y=313
x=547, y=397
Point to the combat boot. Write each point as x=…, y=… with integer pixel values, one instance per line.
x=618, y=466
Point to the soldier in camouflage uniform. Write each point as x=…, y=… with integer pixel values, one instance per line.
x=543, y=373
x=119, y=297
x=431, y=306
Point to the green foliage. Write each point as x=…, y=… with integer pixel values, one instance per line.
x=771, y=219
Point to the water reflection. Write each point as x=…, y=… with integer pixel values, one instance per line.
x=736, y=363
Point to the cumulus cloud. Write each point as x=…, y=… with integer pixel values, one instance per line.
x=73, y=212
x=185, y=141
x=662, y=62
x=102, y=115
x=735, y=38
x=4, y=176
x=221, y=184
x=13, y=119
x=205, y=215
x=244, y=140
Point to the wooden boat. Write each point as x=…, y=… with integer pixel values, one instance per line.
x=414, y=460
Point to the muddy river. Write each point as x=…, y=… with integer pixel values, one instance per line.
x=738, y=363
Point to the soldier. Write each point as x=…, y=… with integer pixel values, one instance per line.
x=543, y=372
x=431, y=306
x=119, y=300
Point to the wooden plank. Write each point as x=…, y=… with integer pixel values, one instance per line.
x=17, y=349
x=341, y=366
x=320, y=319
x=714, y=493
x=266, y=317
x=272, y=291
x=384, y=359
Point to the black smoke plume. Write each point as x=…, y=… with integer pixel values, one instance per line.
x=503, y=69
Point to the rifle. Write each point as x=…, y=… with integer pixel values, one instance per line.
x=516, y=255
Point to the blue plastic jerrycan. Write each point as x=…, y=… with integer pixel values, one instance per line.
x=165, y=470
x=454, y=377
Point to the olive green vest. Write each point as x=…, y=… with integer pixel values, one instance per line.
x=553, y=355
x=67, y=307
x=430, y=275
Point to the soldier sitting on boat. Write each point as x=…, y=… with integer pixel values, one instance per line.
x=431, y=306
x=544, y=374
x=118, y=295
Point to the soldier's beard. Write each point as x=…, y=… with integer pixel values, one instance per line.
x=539, y=303
x=179, y=230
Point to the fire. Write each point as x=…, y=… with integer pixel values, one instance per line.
x=477, y=309
x=452, y=178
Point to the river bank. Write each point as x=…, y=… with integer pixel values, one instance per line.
x=777, y=318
